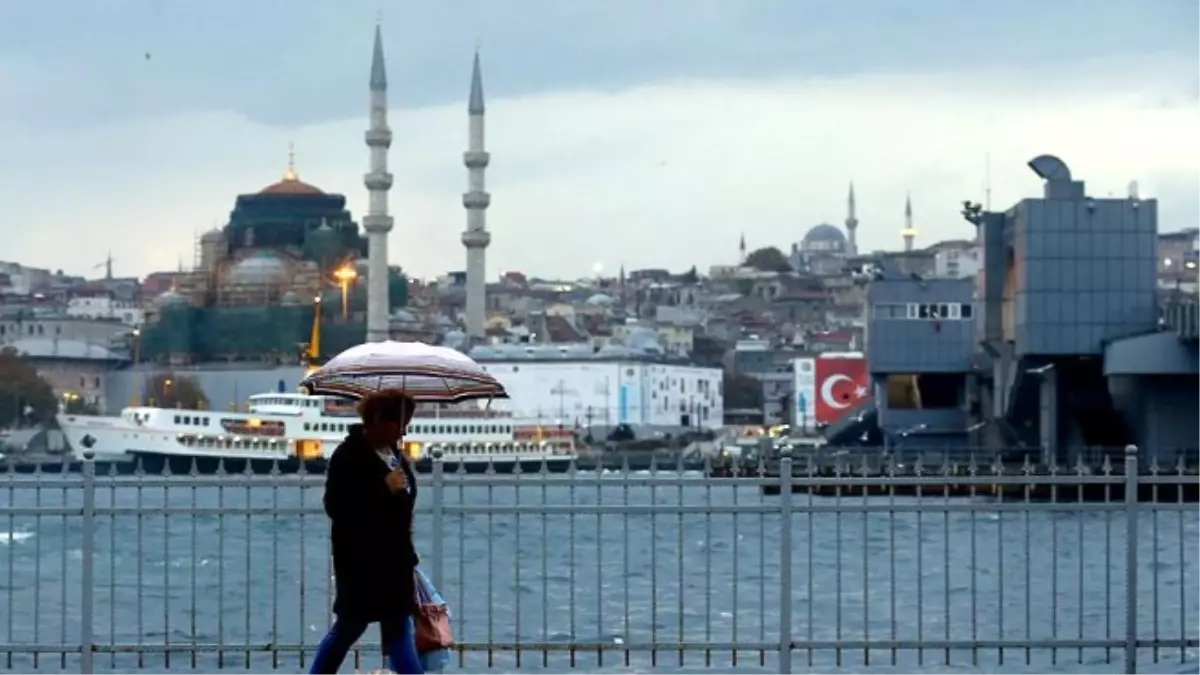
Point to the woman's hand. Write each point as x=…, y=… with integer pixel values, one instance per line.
x=396, y=480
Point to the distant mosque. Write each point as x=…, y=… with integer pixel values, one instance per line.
x=291, y=248
x=824, y=248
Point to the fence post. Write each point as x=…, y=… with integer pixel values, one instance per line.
x=1131, y=558
x=438, y=513
x=88, y=546
x=785, y=560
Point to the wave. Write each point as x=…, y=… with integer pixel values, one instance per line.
x=15, y=537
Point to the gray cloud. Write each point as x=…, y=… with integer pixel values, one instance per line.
x=79, y=62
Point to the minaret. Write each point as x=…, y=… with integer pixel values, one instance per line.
x=476, y=200
x=742, y=250
x=377, y=222
x=909, y=232
x=851, y=223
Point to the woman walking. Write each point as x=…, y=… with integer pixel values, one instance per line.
x=370, y=491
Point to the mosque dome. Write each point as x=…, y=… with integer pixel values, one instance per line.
x=291, y=184
x=261, y=268
x=213, y=236
x=824, y=237
x=599, y=299
x=290, y=298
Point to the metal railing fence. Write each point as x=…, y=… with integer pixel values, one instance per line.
x=979, y=566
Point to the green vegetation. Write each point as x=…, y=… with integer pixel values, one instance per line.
x=768, y=259
x=25, y=398
x=168, y=390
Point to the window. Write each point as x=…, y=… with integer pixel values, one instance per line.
x=966, y=310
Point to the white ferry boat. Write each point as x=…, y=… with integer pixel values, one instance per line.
x=287, y=432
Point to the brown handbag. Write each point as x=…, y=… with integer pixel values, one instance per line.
x=431, y=620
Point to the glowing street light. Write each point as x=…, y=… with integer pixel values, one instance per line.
x=345, y=275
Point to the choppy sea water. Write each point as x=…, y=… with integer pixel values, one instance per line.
x=258, y=574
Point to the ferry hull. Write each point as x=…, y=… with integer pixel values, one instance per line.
x=157, y=463
x=161, y=462
x=424, y=465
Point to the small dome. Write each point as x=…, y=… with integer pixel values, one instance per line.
x=599, y=299
x=642, y=339
x=404, y=316
x=213, y=236
x=290, y=298
x=262, y=268
x=170, y=298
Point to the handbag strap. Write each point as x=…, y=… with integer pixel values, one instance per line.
x=422, y=594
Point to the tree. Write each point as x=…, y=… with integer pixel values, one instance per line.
x=168, y=390
x=768, y=259
x=25, y=398
x=76, y=405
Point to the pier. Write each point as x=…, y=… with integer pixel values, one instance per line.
x=595, y=569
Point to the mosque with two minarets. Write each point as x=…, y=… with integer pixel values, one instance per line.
x=825, y=249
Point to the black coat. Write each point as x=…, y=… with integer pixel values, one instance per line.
x=373, y=554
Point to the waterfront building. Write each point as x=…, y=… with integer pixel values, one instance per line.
x=601, y=392
x=1074, y=353
x=76, y=370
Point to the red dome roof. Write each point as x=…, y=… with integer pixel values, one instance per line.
x=291, y=183
x=291, y=186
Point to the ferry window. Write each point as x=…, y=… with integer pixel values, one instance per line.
x=306, y=426
x=177, y=419
x=966, y=310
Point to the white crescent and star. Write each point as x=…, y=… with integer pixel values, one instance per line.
x=827, y=390
x=860, y=391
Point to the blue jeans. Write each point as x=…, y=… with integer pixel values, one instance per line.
x=397, y=637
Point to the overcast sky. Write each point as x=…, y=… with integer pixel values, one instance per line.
x=636, y=132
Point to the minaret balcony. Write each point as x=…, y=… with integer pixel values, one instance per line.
x=476, y=199
x=378, y=180
x=476, y=159
x=377, y=138
x=476, y=238
x=377, y=224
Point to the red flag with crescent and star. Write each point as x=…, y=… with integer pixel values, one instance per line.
x=842, y=383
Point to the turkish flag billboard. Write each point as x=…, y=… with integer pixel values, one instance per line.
x=842, y=382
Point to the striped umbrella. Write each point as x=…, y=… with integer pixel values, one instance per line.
x=424, y=372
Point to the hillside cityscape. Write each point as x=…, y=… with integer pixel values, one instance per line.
x=292, y=276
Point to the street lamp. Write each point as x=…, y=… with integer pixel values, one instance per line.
x=345, y=275
x=137, y=356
